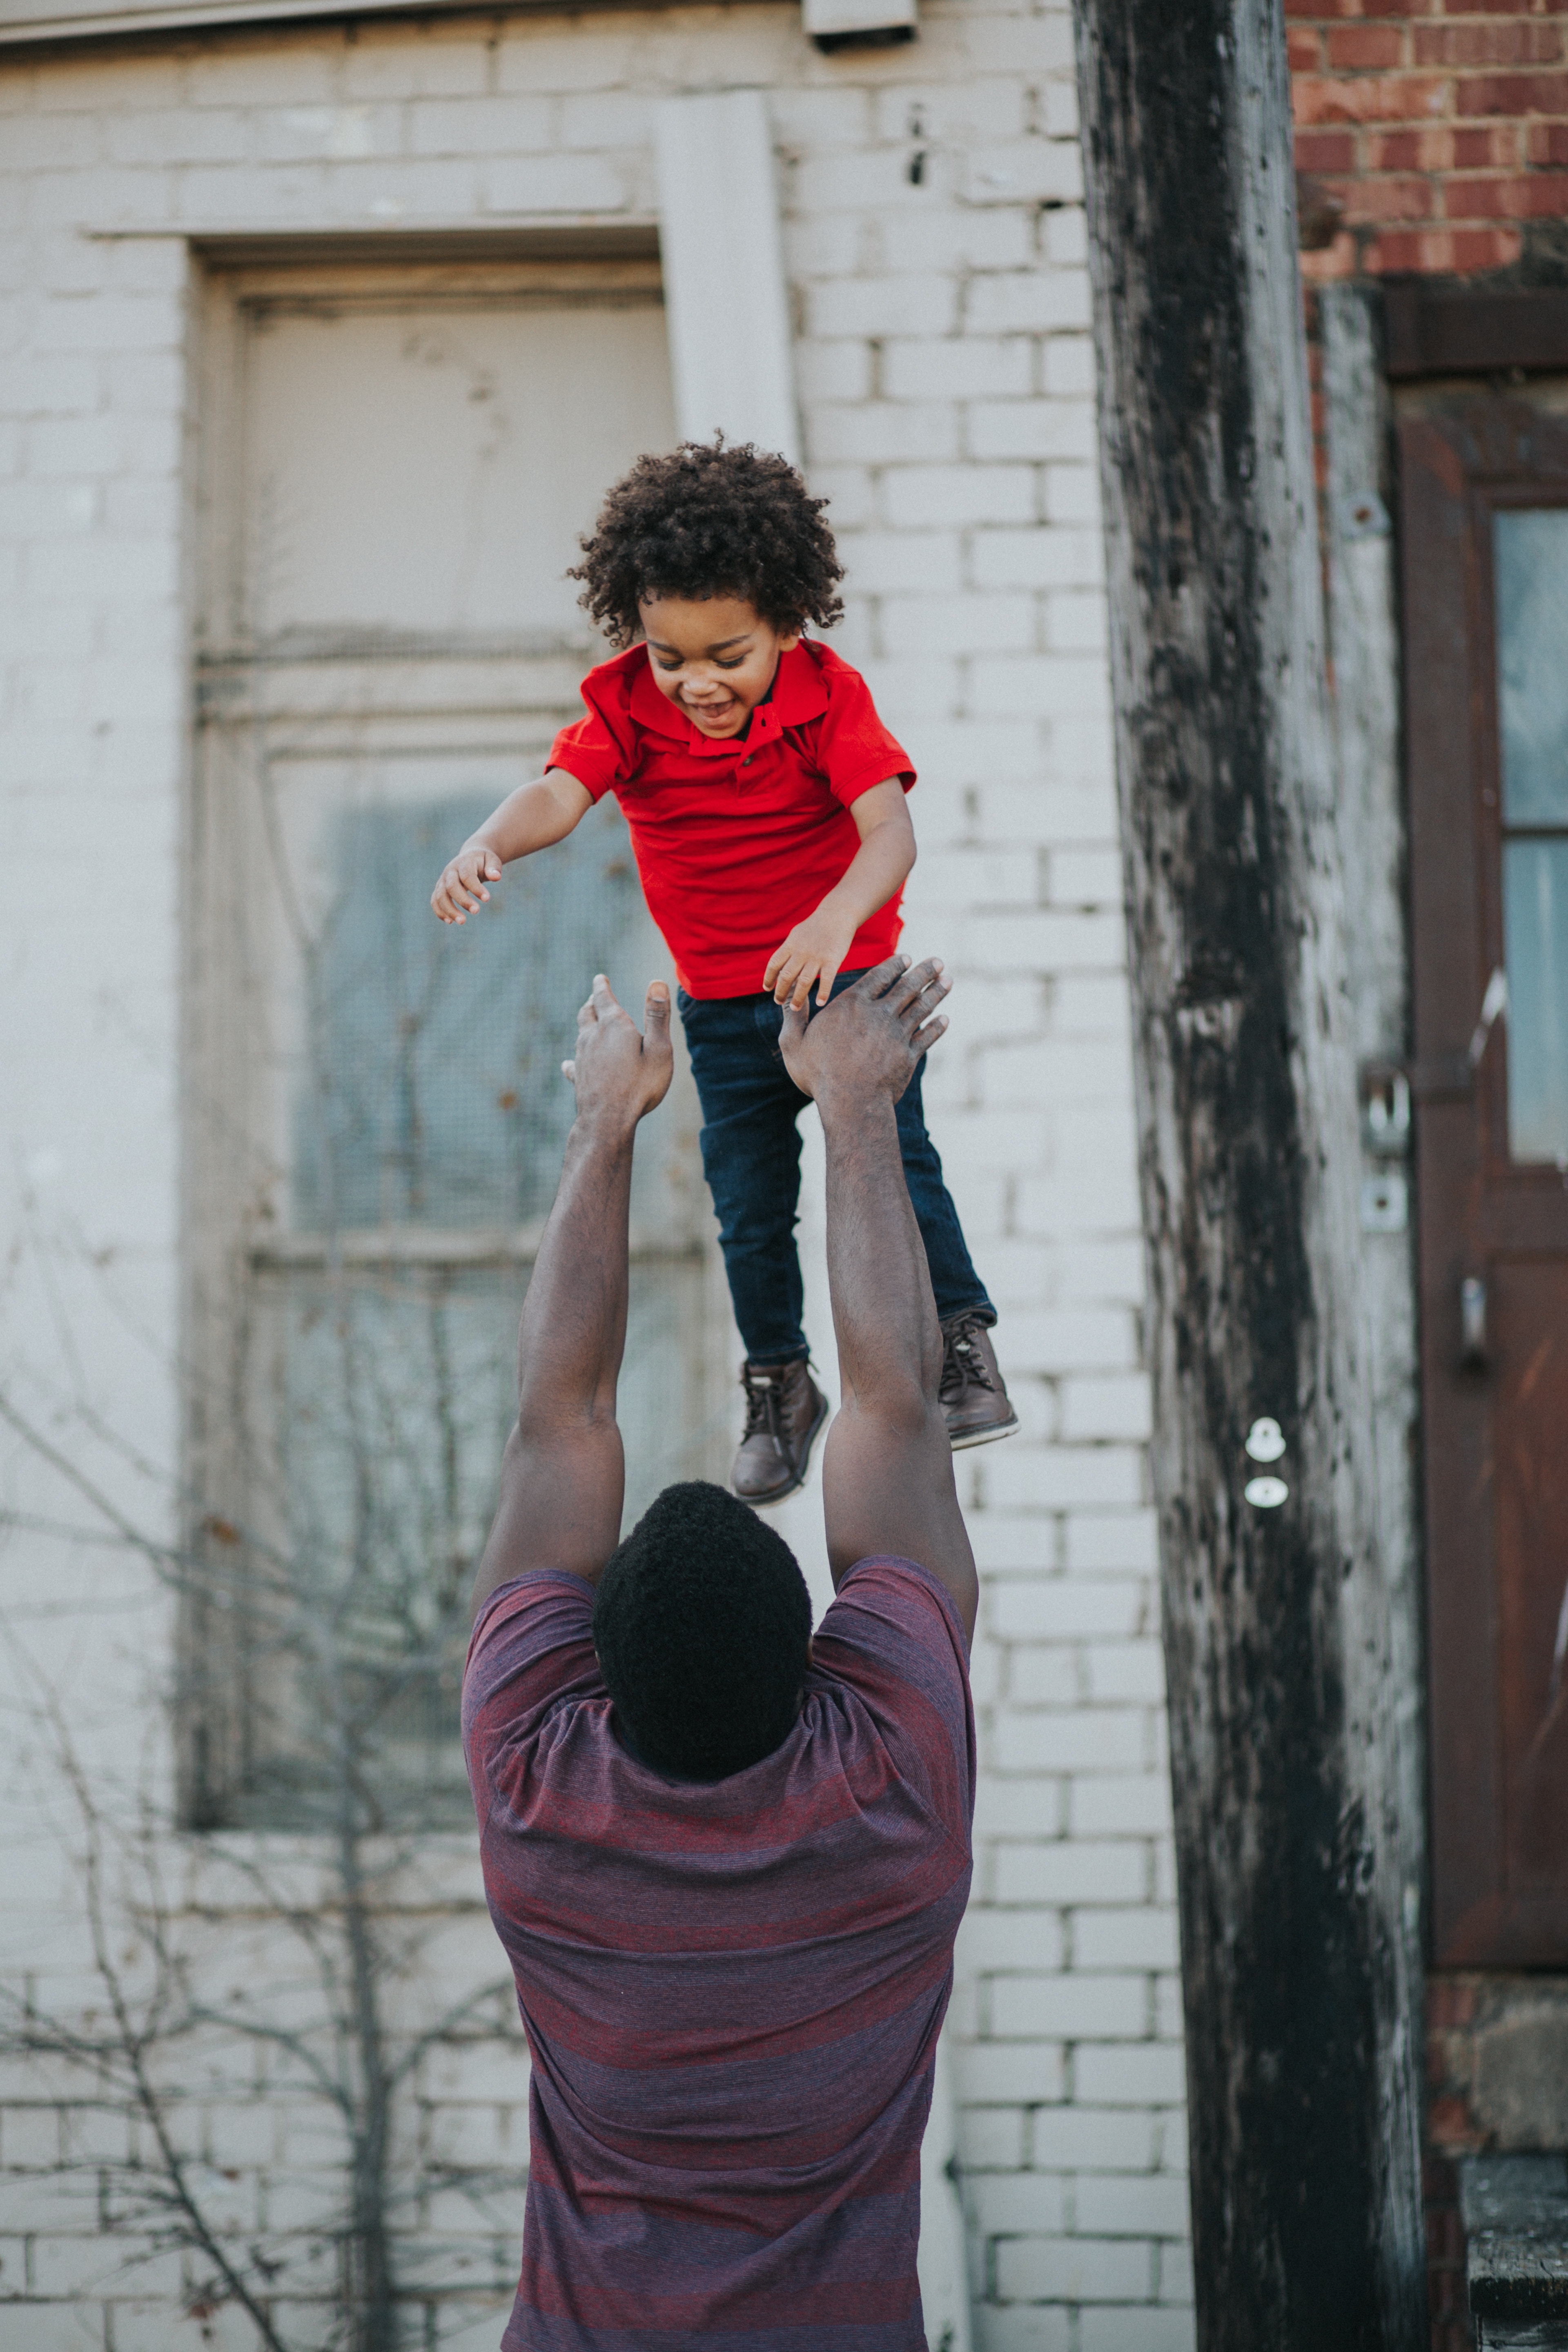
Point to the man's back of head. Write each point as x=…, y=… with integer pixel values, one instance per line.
x=702, y=1625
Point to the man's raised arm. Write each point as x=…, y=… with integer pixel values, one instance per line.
x=887, y=1471
x=563, y=1473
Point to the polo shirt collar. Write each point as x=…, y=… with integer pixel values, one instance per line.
x=798, y=695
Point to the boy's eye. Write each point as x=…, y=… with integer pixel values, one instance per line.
x=733, y=663
x=674, y=665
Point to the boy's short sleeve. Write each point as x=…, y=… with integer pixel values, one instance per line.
x=855, y=750
x=600, y=750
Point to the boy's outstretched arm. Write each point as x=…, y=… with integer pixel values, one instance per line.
x=816, y=947
x=887, y=1472
x=529, y=818
x=563, y=1473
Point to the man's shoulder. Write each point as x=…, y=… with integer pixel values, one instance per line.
x=532, y=1644
x=892, y=1572
x=893, y=1620
x=894, y=1638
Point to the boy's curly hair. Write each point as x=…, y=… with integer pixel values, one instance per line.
x=708, y=521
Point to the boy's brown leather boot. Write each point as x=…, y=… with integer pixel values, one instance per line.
x=784, y=1410
x=973, y=1394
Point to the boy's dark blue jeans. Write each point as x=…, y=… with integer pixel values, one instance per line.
x=750, y=1157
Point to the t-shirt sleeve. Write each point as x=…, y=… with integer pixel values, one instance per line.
x=599, y=749
x=530, y=1658
x=893, y=1637
x=855, y=750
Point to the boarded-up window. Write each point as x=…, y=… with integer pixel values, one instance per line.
x=395, y=474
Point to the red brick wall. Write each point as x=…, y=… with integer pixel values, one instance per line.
x=1438, y=128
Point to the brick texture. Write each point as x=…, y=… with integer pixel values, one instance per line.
x=1433, y=133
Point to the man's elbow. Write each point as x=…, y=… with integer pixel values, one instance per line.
x=902, y=1408
x=544, y=1421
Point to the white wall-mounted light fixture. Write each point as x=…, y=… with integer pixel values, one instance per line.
x=860, y=23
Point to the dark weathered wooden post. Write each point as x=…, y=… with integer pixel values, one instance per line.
x=1298, y=1866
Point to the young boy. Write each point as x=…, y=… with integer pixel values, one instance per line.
x=765, y=802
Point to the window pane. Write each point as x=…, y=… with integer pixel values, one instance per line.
x=429, y=471
x=382, y=1401
x=1531, y=551
x=1535, y=916
x=430, y=1088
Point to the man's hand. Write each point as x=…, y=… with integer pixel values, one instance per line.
x=462, y=885
x=868, y=1040
x=813, y=953
x=618, y=1074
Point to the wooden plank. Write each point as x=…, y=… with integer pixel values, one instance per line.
x=1292, y=1856
x=1437, y=328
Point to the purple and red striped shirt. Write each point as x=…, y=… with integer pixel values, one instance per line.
x=731, y=1990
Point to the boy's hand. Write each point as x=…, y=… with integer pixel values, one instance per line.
x=618, y=1074
x=462, y=886
x=813, y=951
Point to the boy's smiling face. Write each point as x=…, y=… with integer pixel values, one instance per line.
x=713, y=656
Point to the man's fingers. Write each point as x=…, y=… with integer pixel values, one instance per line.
x=917, y=1008
x=793, y=1027
x=928, y=1033
x=656, y=1011
x=915, y=982
x=569, y=1070
x=885, y=976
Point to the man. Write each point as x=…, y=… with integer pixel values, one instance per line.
x=728, y=1862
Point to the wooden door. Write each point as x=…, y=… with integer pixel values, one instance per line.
x=1485, y=545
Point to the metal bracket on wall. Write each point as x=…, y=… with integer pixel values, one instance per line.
x=1473, y=1323
x=860, y=23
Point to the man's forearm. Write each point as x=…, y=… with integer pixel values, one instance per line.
x=563, y=1476
x=563, y=1470
x=889, y=1345
x=573, y=1329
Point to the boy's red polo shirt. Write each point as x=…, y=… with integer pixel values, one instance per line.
x=737, y=841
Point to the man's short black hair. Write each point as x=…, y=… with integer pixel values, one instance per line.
x=702, y=1625
x=707, y=520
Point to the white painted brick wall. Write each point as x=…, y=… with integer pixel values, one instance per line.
x=945, y=376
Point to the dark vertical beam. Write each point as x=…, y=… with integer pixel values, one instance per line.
x=1293, y=1854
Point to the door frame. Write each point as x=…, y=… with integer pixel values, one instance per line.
x=1466, y=448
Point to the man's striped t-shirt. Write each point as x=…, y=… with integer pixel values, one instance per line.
x=731, y=1990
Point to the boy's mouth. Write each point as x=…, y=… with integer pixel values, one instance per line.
x=714, y=714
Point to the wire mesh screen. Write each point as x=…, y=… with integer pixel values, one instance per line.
x=380, y=1401
x=431, y=1091
x=420, y=1070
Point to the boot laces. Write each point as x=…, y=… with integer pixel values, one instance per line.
x=764, y=1401
x=962, y=1365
